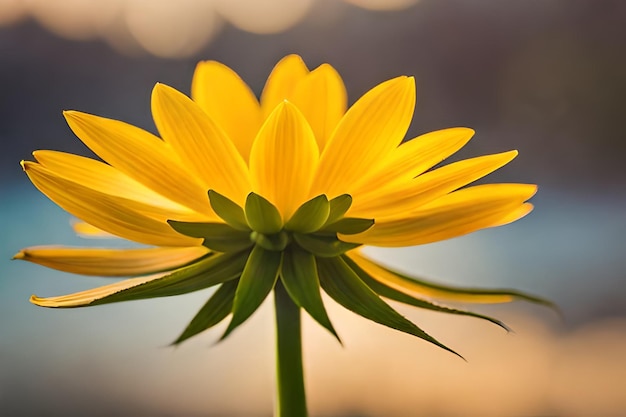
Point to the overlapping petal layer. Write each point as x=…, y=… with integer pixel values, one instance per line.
x=370, y=130
x=208, y=151
x=89, y=231
x=105, y=179
x=453, y=215
x=129, y=219
x=250, y=194
x=141, y=156
x=111, y=262
x=83, y=298
x=412, y=158
x=403, y=197
x=229, y=102
x=322, y=99
x=282, y=82
x=283, y=159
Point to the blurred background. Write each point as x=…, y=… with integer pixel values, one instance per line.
x=546, y=77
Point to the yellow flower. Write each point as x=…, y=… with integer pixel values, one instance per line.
x=278, y=193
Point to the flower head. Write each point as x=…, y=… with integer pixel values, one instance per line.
x=247, y=195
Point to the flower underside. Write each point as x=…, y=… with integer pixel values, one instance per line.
x=244, y=195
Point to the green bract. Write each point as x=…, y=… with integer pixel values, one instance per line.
x=254, y=248
x=306, y=255
x=270, y=249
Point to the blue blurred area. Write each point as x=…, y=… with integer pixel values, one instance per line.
x=569, y=250
x=64, y=357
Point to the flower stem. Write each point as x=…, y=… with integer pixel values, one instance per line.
x=291, y=398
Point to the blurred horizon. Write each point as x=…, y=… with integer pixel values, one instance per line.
x=525, y=75
x=544, y=77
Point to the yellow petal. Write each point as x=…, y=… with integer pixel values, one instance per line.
x=118, y=216
x=453, y=215
x=140, y=155
x=111, y=262
x=108, y=180
x=371, y=129
x=283, y=159
x=321, y=97
x=386, y=277
x=514, y=215
x=414, y=157
x=86, y=230
x=202, y=144
x=282, y=82
x=229, y=102
x=396, y=199
x=83, y=298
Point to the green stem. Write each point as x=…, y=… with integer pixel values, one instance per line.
x=291, y=399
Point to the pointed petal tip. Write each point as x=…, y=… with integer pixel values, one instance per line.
x=285, y=109
x=292, y=57
x=20, y=255
x=508, y=156
x=71, y=114
x=75, y=116
x=204, y=63
x=207, y=63
x=405, y=81
x=401, y=79
x=160, y=88
x=323, y=67
x=28, y=165
x=41, y=301
x=38, y=301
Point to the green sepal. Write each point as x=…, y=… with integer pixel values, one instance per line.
x=228, y=211
x=275, y=242
x=474, y=291
x=339, y=206
x=219, y=237
x=323, y=246
x=310, y=216
x=216, y=309
x=262, y=216
x=349, y=226
x=343, y=285
x=396, y=295
x=256, y=282
x=300, y=278
x=212, y=270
